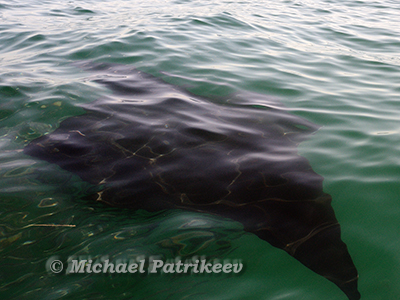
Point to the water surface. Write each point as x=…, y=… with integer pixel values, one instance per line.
x=334, y=63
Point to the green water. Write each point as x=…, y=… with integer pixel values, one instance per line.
x=335, y=63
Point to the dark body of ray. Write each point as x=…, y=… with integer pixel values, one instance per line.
x=154, y=146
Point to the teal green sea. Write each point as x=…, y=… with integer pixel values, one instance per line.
x=334, y=63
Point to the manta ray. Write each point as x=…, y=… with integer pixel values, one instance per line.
x=154, y=146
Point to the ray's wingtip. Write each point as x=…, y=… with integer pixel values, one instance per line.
x=354, y=296
x=350, y=288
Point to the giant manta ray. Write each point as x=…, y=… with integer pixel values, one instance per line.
x=151, y=145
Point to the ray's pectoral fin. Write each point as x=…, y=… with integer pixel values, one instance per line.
x=327, y=255
x=311, y=234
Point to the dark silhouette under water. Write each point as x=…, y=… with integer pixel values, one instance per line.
x=153, y=146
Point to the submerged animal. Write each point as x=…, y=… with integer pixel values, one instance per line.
x=151, y=145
